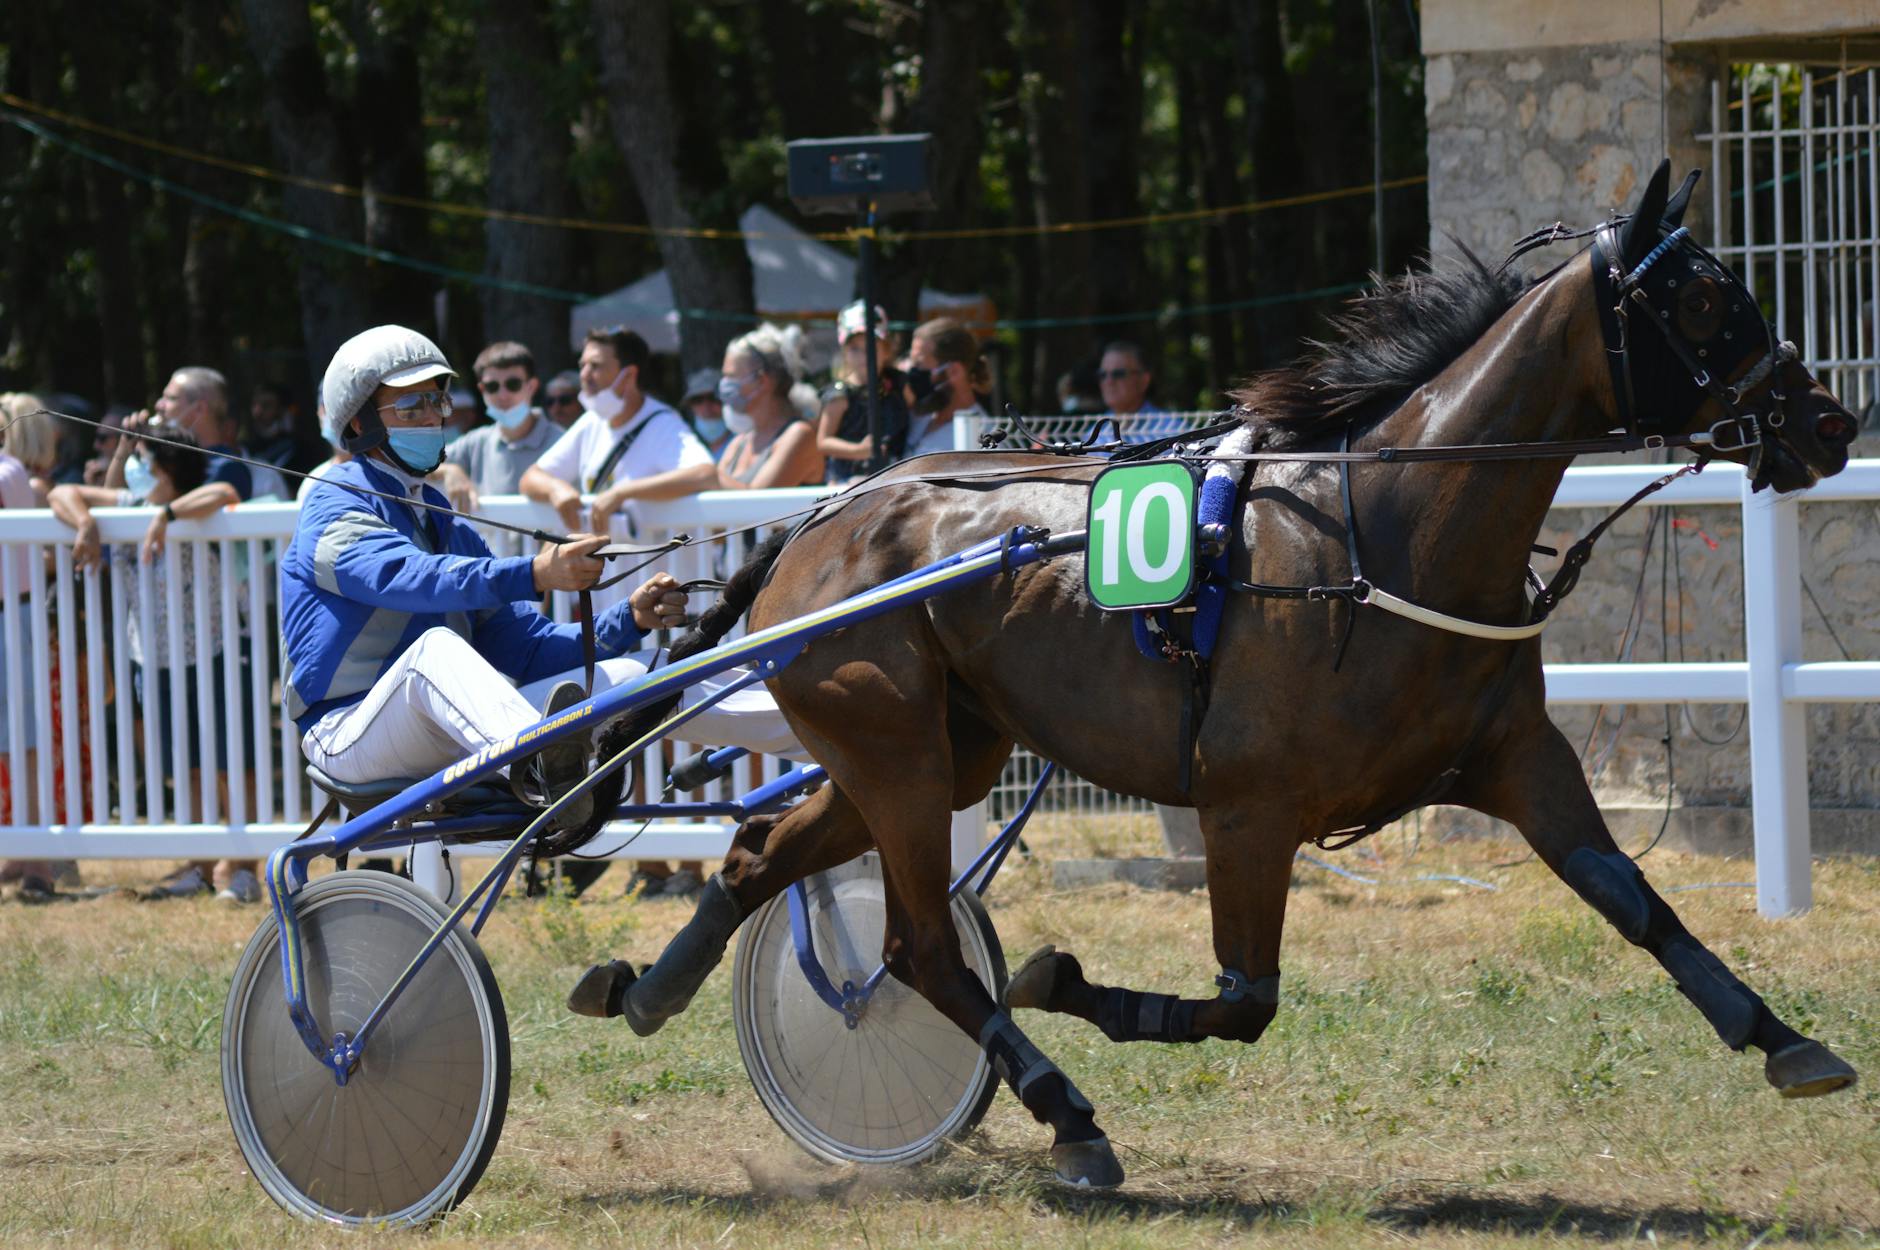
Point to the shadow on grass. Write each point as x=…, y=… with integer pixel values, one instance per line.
x=1540, y=1215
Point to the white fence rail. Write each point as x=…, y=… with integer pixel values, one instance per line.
x=98, y=784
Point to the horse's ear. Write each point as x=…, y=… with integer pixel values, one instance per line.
x=1641, y=233
x=1681, y=200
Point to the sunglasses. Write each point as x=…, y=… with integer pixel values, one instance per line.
x=556, y=401
x=512, y=385
x=437, y=401
x=1115, y=375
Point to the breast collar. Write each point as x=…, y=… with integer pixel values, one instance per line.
x=1675, y=261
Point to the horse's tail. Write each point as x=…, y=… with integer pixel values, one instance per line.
x=734, y=601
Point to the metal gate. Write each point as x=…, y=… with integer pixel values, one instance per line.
x=1795, y=198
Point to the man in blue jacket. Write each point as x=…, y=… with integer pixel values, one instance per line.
x=408, y=645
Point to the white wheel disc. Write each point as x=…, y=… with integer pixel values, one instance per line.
x=899, y=1083
x=409, y=1133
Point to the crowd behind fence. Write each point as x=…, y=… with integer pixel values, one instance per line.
x=84, y=776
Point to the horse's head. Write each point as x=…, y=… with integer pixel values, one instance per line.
x=1693, y=354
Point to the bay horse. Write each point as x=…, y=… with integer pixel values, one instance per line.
x=914, y=713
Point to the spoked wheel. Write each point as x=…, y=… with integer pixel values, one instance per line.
x=901, y=1082
x=410, y=1132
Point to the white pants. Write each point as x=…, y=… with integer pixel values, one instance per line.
x=441, y=701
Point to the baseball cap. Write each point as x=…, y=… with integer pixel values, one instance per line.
x=381, y=356
x=702, y=384
x=849, y=322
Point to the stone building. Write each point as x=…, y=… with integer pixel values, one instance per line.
x=1544, y=110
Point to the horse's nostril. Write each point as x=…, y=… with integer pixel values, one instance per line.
x=1834, y=428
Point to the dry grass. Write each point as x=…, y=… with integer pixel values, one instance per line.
x=1450, y=1065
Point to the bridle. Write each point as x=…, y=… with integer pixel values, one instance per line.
x=1674, y=264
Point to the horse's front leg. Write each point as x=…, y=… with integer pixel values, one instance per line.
x=1532, y=779
x=768, y=855
x=1249, y=870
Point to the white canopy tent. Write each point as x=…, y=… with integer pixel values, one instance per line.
x=795, y=277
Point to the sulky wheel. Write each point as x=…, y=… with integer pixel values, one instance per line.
x=899, y=1083
x=410, y=1132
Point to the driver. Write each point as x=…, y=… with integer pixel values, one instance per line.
x=408, y=645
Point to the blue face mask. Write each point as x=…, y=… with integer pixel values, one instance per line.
x=730, y=392
x=711, y=429
x=138, y=478
x=420, y=448
x=510, y=418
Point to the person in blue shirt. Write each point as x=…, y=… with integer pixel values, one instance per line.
x=408, y=645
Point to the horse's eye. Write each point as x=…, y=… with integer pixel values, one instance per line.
x=1700, y=309
x=1697, y=304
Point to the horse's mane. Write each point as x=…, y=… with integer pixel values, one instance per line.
x=1388, y=341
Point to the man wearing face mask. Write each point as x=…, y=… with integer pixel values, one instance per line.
x=494, y=457
x=627, y=445
x=403, y=634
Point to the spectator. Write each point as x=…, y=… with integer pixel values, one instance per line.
x=276, y=432
x=171, y=475
x=1125, y=381
x=32, y=879
x=842, y=428
x=491, y=459
x=104, y=443
x=945, y=375
x=196, y=399
x=340, y=456
x=563, y=402
x=706, y=411
x=32, y=439
x=627, y=445
x=771, y=443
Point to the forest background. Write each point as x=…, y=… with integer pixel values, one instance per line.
x=247, y=184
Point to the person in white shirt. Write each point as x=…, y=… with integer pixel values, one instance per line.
x=627, y=445
x=946, y=375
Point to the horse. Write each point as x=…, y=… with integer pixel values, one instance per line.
x=1307, y=727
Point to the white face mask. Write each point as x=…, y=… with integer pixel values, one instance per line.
x=606, y=405
x=739, y=422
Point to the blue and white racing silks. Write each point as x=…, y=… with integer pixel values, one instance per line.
x=364, y=577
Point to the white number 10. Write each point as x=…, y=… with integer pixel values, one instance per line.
x=1135, y=533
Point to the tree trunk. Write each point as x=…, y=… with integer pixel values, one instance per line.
x=529, y=149
x=948, y=107
x=98, y=77
x=711, y=278
x=387, y=129
x=1110, y=52
x=305, y=127
x=1272, y=135
x=1054, y=113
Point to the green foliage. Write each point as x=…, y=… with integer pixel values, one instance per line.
x=190, y=284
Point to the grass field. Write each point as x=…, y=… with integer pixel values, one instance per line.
x=1450, y=1066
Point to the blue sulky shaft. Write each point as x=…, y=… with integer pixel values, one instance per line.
x=767, y=651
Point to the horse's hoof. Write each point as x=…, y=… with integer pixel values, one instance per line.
x=1807, y=1070
x=602, y=990
x=1087, y=1164
x=1031, y=985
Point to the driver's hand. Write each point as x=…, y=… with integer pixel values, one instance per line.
x=659, y=603
x=570, y=565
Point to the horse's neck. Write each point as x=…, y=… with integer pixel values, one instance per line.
x=1537, y=376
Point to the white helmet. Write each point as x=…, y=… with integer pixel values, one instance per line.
x=381, y=356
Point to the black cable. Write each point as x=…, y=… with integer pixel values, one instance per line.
x=1664, y=654
x=541, y=535
x=1826, y=623
x=1690, y=721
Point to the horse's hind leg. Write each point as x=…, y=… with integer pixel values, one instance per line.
x=1248, y=874
x=767, y=855
x=1533, y=780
